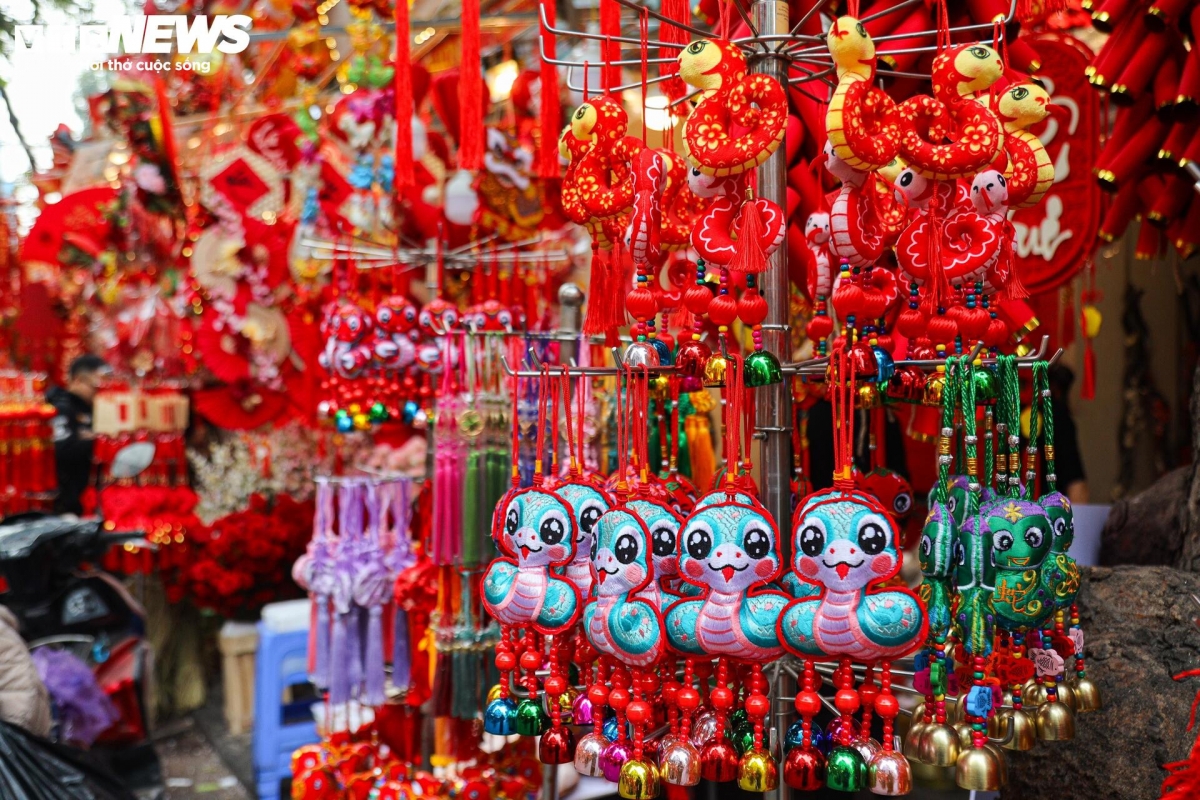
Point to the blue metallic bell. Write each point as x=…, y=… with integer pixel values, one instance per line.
x=409, y=411
x=612, y=729
x=885, y=366
x=500, y=717
x=795, y=735
x=665, y=357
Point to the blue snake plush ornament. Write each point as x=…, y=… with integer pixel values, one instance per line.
x=846, y=544
x=537, y=535
x=588, y=503
x=622, y=621
x=730, y=551
x=664, y=525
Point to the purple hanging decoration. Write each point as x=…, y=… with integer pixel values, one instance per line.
x=343, y=662
x=314, y=572
x=371, y=589
x=400, y=558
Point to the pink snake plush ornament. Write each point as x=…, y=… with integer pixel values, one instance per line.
x=715, y=234
x=856, y=230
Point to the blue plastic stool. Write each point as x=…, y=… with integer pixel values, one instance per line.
x=279, y=728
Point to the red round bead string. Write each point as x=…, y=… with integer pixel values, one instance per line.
x=757, y=703
x=846, y=701
x=886, y=705
x=808, y=702
x=868, y=692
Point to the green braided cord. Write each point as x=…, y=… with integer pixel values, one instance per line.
x=1041, y=386
x=470, y=509
x=653, y=439
x=1010, y=389
x=942, y=489
x=967, y=405
x=1001, y=445
x=989, y=450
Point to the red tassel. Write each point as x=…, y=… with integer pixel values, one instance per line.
x=1014, y=289
x=678, y=11
x=1087, y=389
x=551, y=112
x=599, y=295
x=404, y=179
x=748, y=255
x=610, y=25
x=618, y=288
x=470, y=92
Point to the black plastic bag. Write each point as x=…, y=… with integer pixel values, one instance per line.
x=35, y=769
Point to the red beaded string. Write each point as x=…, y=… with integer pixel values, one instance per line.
x=555, y=684
x=757, y=703
x=598, y=694
x=846, y=701
x=886, y=705
x=868, y=692
x=506, y=661
x=640, y=714
x=689, y=700
x=808, y=702
x=619, y=700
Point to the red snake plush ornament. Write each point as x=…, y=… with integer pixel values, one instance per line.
x=861, y=123
x=959, y=75
x=739, y=120
x=1029, y=172
x=715, y=234
x=969, y=242
x=856, y=232
x=603, y=174
x=680, y=206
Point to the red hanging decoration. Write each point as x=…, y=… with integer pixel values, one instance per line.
x=610, y=51
x=404, y=178
x=470, y=92
x=551, y=113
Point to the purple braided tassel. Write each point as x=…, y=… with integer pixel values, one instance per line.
x=401, y=663
x=373, y=658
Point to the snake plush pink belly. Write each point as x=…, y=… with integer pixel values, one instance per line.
x=525, y=600
x=854, y=230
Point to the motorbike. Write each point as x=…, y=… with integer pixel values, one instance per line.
x=62, y=600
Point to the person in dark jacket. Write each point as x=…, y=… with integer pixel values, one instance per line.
x=73, y=430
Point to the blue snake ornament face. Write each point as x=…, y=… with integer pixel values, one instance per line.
x=844, y=541
x=587, y=504
x=539, y=529
x=621, y=556
x=664, y=525
x=728, y=548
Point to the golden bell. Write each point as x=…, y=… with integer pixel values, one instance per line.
x=1066, y=695
x=638, y=781
x=868, y=397
x=938, y=745
x=928, y=776
x=714, y=370
x=493, y=694
x=757, y=772
x=933, y=390
x=1055, y=723
x=1033, y=694
x=889, y=774
x=912, y=739
x=980, y=769
x=1019, y=731
x=1087, y=696
x=966, y=735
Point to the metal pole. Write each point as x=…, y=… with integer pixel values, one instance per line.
x=570, y=299
x=774, y=403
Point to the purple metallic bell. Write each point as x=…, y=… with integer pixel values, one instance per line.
x=581, y=710
x=613, y=757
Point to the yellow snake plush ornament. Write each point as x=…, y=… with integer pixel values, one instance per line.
x=861, y=123
x=739, y=119
x=1030, y=172
x=960, y=76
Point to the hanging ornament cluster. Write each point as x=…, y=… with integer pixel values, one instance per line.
x=958, y=160
x=1149, y=70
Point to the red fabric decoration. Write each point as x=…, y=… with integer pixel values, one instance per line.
x=551, y=113
x=470, y=97
x=678, y=11
x=610, y=25
x=748, y=254
x=404, y=177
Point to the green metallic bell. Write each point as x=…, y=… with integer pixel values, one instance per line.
x=762, y=369
x=986, y=389
x=845, y=770
x=738, y=718
x=743, y=738
x=531, y=719
x=378, y=412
